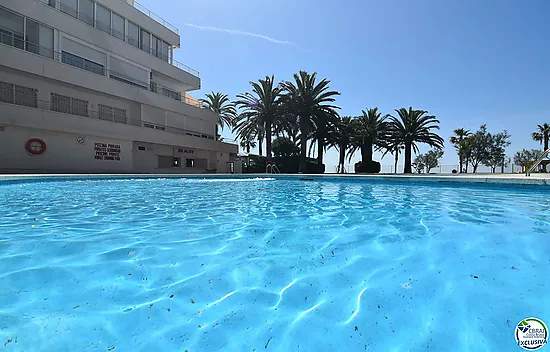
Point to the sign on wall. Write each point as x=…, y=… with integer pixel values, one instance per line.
x=185, y=151
x=107, y=151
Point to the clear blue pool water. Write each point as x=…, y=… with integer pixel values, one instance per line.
x=269, y=265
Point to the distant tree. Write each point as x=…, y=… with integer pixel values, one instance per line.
x=526, y=158
x=427, y=162
x=221, y=105
x=480, y=143
x=418, y=164
x=260, y=110
x=284, y=147
x=372, y=132
x=486, y=148
x=542, y=135
x=341, y=139
x=414, y=126
x=497, y=151
x=312, y=104
x=248, y=142
x=457, y=140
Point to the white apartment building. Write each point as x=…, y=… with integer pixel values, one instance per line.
x=92, y=86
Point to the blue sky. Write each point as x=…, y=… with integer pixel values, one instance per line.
x=468, y=62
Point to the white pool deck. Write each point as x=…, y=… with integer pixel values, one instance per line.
x=509, y=179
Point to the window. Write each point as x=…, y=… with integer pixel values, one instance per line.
x=103, y=18
x=189, y=163
x=110, y=113
x=60, y=103
x=119, y=115
x=171, y=93
x=77, y=61
x=6, y=93
x=105, y=112
x=86, y=11
x=69, y=7
x=11, y=29
x=26, y=96
x=141, y=148
x=156, y=47
x=133, y=34
x=165, y=52
x=126, y=80
x=49, y=2
x=118, y=27
x=176, y=162
x=79, y=107
x=145, y=41
x=68, y=105
x=39, y=39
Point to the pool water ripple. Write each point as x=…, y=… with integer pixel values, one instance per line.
x=265, y=264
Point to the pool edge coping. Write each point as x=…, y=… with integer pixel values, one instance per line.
x=519, y=180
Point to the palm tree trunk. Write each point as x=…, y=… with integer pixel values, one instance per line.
x=260, y=144
x=303, y=148
x=368, y=150
x=546, y=137
x=342, y=158
x=408, y=158
x=268, y=141
x=248, y=148
x=396, y=160
x=320, y=150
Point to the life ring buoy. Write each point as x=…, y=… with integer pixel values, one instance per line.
x=35, y=146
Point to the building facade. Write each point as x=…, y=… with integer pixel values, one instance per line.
x=92, y=86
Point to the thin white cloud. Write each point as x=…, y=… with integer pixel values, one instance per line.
x=236, y=32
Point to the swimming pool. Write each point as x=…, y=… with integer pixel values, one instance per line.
x=269, y=265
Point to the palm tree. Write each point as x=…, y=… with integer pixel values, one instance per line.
x=372, y=131
x=260, y=109
x=311, y=103
x=340, y=137
x=221, y=105
x=395, y=147
x=248, y=143
x=412, y=127
x=542, y=135
x=459, y=135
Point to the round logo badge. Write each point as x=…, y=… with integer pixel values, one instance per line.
x=531, y=334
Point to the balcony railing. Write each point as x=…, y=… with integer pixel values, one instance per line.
x=81, y=63
x=93, y=114
x=63, y=8
x=152, y=15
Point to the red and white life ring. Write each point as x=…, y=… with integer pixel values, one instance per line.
x=35, y=146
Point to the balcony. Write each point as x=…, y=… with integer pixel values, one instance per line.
x=152, y=15
x=81, y=63
x=107, y=28
x=27, y=97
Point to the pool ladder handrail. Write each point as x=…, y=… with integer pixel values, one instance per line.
x=272, y=169
x=537, y=163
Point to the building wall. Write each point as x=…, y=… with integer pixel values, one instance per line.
x=67, y=24
x=200, y=120
x=148, y=159
x=66, y=152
